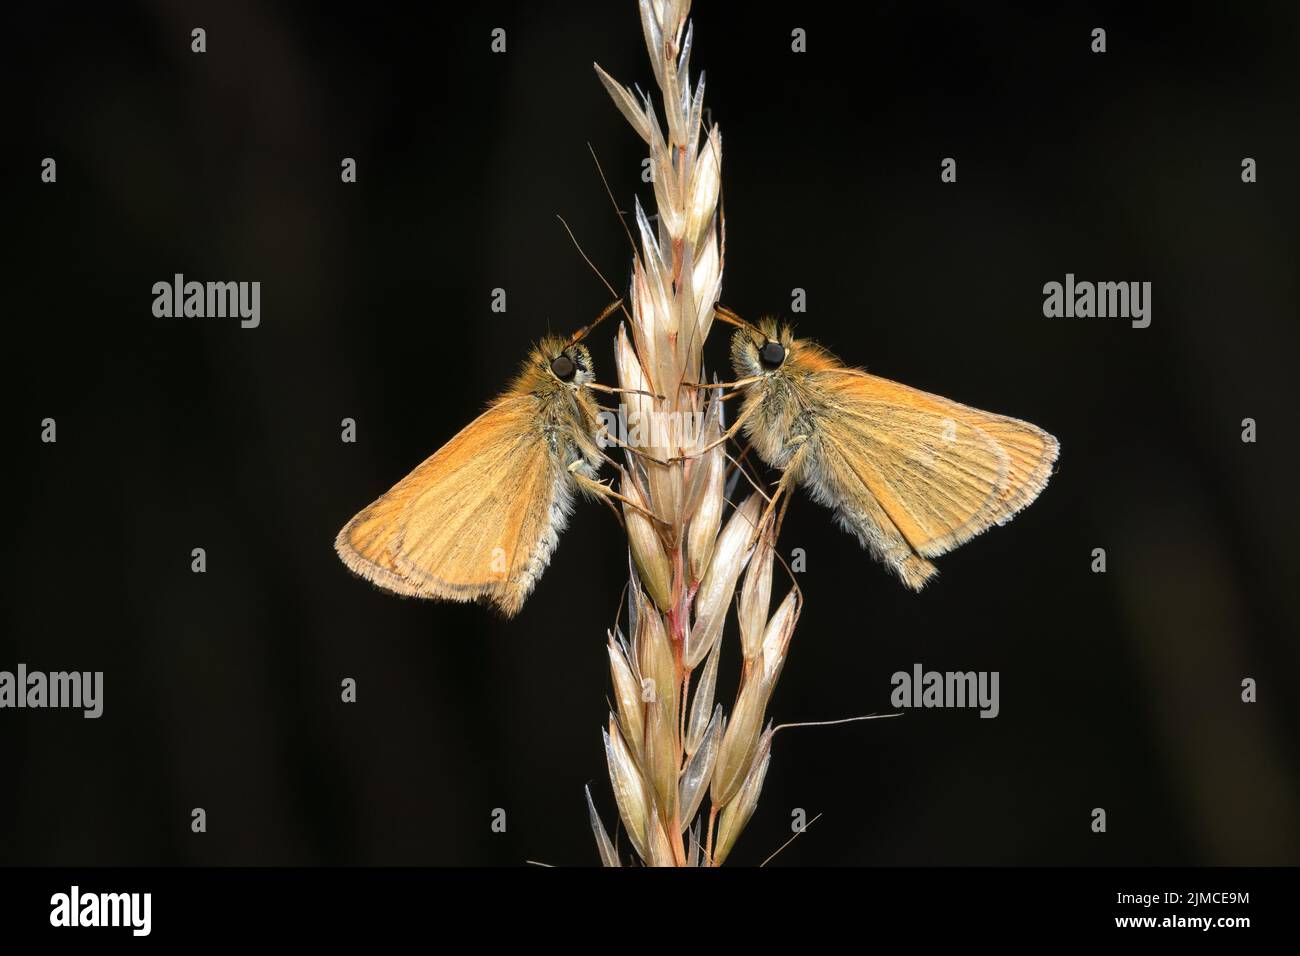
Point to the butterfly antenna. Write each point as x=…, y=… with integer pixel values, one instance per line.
x=612, y=201
x=731, y=318
x=609, y=310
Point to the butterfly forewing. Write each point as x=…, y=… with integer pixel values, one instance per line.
x=475, y=521
x=939, y=471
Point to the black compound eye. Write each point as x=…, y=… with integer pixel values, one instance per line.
x=563, y=368
x=772, y=355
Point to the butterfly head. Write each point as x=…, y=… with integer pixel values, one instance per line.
x=564, y=363
x=761, y=350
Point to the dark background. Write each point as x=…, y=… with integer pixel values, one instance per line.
x=1119, y=690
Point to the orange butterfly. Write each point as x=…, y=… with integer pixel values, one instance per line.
x=479, y=519
x=913, y=475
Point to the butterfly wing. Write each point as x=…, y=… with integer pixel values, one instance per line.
x=477, y=520
x=915, y=474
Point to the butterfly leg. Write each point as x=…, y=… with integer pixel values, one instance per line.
x=737, y=464
x=726, y=436
x=612, y=390
x=738, y=383
x=780, y=519
x=788, y=475
x=770, y=539
x=617, y=442
x=772, y=501
x=606, y=493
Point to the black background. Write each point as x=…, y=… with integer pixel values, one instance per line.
x=1119, y=690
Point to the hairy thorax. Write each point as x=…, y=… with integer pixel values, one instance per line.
x=782, y=414
x=569, y=422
